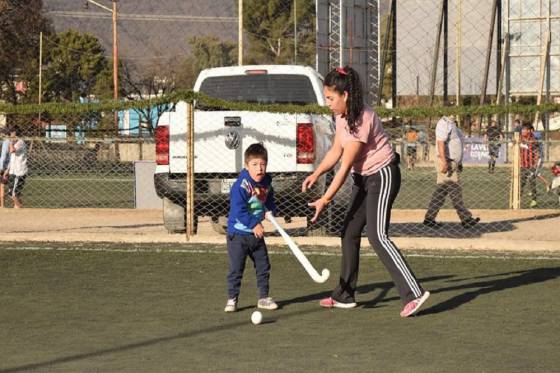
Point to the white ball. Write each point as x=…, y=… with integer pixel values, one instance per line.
x=256, y=317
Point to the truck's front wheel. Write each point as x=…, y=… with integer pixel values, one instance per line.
x=173, y=216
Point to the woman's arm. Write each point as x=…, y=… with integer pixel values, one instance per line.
x=349, y=155
x=328, y=162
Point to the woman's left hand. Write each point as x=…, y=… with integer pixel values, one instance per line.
x=319, y=205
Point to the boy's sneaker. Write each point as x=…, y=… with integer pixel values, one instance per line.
x=267, y=304
x=414, y=305
x=231, y=305
x=331, y=303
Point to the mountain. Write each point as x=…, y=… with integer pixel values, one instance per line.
x=147, y=30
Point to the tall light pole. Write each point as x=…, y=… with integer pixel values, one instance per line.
x=115, y=55
x=295, y=32
x=40, y=73
x=240, y=33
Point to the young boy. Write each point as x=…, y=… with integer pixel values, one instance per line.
x=17, y=169
x=251, y=198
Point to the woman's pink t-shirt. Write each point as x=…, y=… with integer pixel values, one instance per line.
x=376, y=152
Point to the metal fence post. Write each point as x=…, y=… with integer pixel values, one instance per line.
x=189, y=192
x=515, y=196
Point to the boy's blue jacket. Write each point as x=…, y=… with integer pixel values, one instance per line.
x=249, y=201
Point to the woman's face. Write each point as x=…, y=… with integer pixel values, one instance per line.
x=335, y=101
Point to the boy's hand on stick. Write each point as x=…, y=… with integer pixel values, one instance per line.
x=258, y=231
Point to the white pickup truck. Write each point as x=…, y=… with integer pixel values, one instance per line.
x=295, y=142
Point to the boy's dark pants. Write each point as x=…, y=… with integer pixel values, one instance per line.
x=239, y=247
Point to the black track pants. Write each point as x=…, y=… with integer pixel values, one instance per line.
x=370, y=204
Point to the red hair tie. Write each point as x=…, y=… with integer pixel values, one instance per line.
x=341, y=70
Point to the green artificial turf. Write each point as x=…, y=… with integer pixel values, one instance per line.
x=146, y=311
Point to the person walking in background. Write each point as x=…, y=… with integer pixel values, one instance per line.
x=530, y=159
x=365, y=150
x=449, y=165
x=251, y=198
x=423, y=140
x=493, y=138
x=4, y=162
x=540, y=164
x=17, y=170
x=411, y=138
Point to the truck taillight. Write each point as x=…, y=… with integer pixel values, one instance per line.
x=162, y=145
x=305, y=143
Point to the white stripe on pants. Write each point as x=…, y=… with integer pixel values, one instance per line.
x=370, y=204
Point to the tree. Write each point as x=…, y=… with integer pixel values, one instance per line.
x=155, y=80
x=270, y=29
x=210, y=51
x=75, y=61
x=21, y=21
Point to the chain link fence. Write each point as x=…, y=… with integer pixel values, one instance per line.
x=448, y=53
x=80, y=169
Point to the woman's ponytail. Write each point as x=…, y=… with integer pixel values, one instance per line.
x=347, y=79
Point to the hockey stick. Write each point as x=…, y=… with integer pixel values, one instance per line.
x=320, y=278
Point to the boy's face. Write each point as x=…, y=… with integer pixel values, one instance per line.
x=256, y=168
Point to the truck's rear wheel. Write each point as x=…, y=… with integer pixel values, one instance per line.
x=173, y=216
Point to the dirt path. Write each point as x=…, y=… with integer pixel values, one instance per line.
x=526, y=230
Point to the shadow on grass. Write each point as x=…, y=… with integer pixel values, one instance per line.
x=493, y=284
x=514, y=280
x=146, y=343
x=363, y=289
x=456, y=230
x=447, y=229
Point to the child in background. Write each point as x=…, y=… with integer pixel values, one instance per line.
x=540, y=165
x=411, y=137
x=251, y=198
x=4, y=162
x=555, y=184
x=530, y=157
x=17, y=170
x=493, y=138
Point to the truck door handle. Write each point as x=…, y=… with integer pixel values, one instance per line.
x=232, y=121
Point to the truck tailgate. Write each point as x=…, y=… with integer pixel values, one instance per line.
x=222, y=136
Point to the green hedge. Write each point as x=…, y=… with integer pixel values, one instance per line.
x=190, y=96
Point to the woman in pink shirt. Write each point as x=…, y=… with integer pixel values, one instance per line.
x=364, y=149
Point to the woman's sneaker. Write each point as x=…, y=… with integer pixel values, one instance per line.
x=267, y=304
x=331, y=303
x=413, y=306
x=231, y=305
